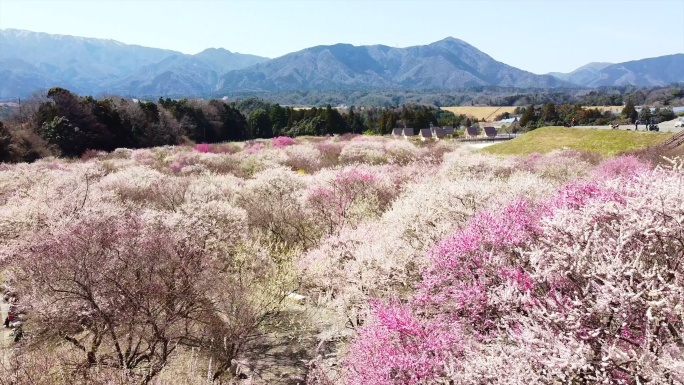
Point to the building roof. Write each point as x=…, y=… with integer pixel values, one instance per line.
x=426, y=133
x=472, y=131
x=490, y=132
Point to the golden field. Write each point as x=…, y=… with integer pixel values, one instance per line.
x=605, y=108
x=489, y=112
x=480, y=112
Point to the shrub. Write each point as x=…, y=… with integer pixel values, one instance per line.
x=264, y=159
x=383, y=257
x=559, y=165
x=401, y=152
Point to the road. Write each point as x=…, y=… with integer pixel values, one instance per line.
x=668, y=126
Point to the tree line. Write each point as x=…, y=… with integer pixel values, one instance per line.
x=61, y=123
x=670, y=95
x=550, y=114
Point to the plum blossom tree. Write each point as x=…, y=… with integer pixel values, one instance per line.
x=273, y=205
x=584, y=288
x=337, y=202
x=123, y=291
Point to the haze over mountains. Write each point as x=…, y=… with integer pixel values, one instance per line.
x=656, y=71
x=36, y=60
x=582, y=75
x=31, y=60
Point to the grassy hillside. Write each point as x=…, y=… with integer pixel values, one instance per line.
x=606, y=142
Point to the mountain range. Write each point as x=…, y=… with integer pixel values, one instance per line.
x=31, y=61
x=656, y=71
x=448, y=63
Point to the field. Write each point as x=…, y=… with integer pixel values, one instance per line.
x=489, y=112
x=346, y=260
x=614, y=109
x=486, y=112
x=606, y=142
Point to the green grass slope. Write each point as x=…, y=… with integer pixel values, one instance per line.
x=606, y=142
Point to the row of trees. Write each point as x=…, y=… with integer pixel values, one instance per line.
x=63, y=123
x=557, y=115
x=670, y=95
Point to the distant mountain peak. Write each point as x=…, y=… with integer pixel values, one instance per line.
x=594, y=66
x=214, y=50
x=452, y=39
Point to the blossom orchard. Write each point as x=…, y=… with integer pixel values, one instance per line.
x=425, y=261
x=213, y=229
x=583, y=287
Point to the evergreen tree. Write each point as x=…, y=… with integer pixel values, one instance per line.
x=629, y=112
x=645, y=114
x=261, y=124
x=528, y=117
x=549, y=114
x=354, y=121
x=279, y=118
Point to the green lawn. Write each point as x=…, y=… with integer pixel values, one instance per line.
x=606, y=142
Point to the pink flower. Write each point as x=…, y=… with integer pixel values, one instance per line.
x=202, y=147
x=282, y=142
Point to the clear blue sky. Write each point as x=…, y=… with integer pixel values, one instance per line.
x=538, y=36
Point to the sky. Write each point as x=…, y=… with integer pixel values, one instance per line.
x=538, y=36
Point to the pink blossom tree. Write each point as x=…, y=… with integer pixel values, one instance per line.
x=124, y=290
x=584, y=288
x=334, y=202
